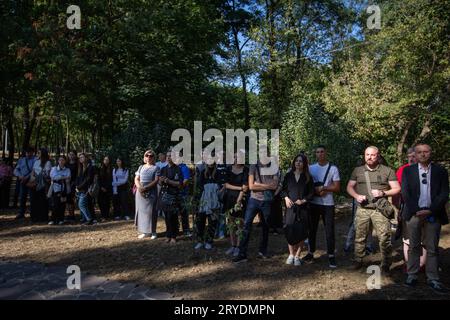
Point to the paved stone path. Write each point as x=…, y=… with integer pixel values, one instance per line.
x=34, y=281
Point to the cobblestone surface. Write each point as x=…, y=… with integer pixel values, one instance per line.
x=34, y=281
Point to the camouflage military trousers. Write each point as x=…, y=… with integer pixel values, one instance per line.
x=382, y=226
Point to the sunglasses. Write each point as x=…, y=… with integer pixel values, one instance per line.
x=424, y=181
x=149, y=155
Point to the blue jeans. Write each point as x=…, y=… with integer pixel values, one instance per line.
x=83, y=204
x=253, y=207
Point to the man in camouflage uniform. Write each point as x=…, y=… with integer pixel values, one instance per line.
x=383, y=184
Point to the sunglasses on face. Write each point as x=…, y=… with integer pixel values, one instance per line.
x=149, y=155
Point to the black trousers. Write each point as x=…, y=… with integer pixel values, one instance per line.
x=4, y=194
x=276, y=213
x=39, y=206
x=184, y=215
x=172, y=226
x=213, y=220
x=120, y=203
x=58, y=208
x=104, y=203
x=327, y=214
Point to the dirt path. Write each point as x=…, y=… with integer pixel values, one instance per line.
x=111, y=249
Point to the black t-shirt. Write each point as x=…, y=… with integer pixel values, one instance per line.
x=174, y=174
x=73, y=171
x=237, y=180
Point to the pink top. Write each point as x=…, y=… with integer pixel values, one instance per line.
x=5, y=171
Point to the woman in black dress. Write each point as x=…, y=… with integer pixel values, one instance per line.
x=236, y=187
x=105, y=183
x=41, y=175
x=297, y=191
x=72, y=164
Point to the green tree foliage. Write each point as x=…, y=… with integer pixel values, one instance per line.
x=395, y=92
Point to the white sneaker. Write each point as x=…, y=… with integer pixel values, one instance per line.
x=208, y=246
x=153, y=237
x=236, y=252
x=290, y=259
x=199, y=245
x=61, y=223
x=297, y=261
x=230, y=250
x=51, y=223
x=142, y=236
x=127, y=218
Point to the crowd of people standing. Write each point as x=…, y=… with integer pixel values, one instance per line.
x=225, y=199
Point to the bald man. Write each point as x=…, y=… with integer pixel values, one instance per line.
x=383, y=183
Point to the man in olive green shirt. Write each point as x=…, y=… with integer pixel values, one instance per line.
x=383, y=183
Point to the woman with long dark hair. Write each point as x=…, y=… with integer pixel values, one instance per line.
x=72, y=164
x=41, y=176
x=297, y=191
x=84, y=180
x=105, y=183
x=235, y=202
x=120, y=189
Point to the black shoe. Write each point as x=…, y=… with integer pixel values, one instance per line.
x=411, y=281
x=308, y=258
x=332, y=262
x=437, y=287
x=240, y=259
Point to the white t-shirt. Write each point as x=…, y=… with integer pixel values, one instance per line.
x=318, y=173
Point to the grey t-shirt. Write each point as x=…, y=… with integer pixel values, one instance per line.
x=146, y=175
x=267, y=179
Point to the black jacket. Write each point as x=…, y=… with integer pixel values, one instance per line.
x=439, y=191
x=297, y=190
x=85, y=179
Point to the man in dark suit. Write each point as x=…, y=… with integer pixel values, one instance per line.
x=425, y=193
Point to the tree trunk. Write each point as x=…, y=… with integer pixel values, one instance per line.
x=272, y=73
x=38, y=134
x=402, y=141
x=243, y=79
x=11, y=139
x=426, y=129
x=67, y=135
x=29, y=121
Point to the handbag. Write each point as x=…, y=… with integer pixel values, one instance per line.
x=298, y=230
x=134, y=189
x=94, y=188
x=382, y=204
x=221, y=194
x=40, y=181
x=31, y=182
x=168, y=201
